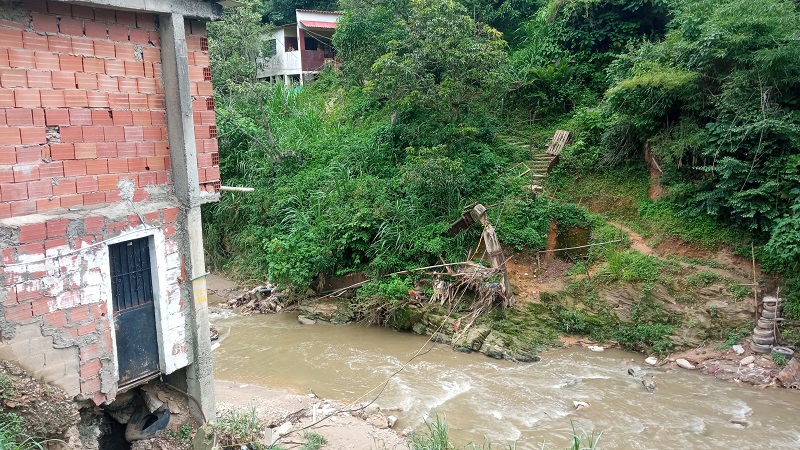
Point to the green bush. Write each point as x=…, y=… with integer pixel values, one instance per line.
x=632, y=266
x=641, y=336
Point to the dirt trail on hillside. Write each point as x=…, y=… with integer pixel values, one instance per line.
x=736, y=267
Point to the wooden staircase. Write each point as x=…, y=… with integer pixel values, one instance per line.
x=541, y=163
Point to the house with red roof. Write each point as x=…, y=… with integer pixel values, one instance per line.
x=299, y=50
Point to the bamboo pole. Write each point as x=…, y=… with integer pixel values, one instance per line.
x=755, y=282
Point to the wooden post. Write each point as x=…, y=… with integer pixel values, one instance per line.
x=755, y=282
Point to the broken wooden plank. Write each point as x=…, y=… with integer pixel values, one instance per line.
x=557, y=143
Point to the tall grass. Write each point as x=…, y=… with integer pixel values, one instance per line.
x=12, y=436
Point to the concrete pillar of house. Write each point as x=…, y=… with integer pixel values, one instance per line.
x=183, y=154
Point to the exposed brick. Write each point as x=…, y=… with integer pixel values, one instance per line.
x=19, y=313
x=93, y=134
x=115, y=67
x=118, y=100
x=97, y=99
x=92, y=385
x=94, y=66
x=97, y=166
x=84, y=12
x=134, y=133
x=44, y=24
x=9, y=136
x=119, y=165
x=155, y=101
x=74, y=168
x=19, y=116
x=32, y=233
x=106, y=83
x=68, y=201
x=146, y=21
x=86, y=184
x=117, y=32
x=71, y=134
x=46, y=61
x=153, y=133
x=114, y=134
x=76, y=98
x=202, y=59
x=92, y=367
x=87, y=81
x=139, y=36
x=23, y=208
x=126, y=18
x=37, y=6
x=59, y=8
x=96, y=30
x=104, y=49
x=28, y=172
x=105, y=15
x=13, y=191
x=8, y=155
x=80, y=116
x=85, y=150
x=66, y=186
x=31, y=249
x=10, y=38
x=41, y=80
x=171, y=215
x=33, y=135
x=126, y=149
x=33, y=41
x=128, y=85
x=149, y=72
x=26, y=98
x=156, y=163
x=147, y=179
x=64, y=80
x=94, y=198
x=56, y=319
x=4, y=57
x=146, y=149
x=70, y=26
x=62, y=151
x=59, y=44
x=28, y=155
x=10, y=78
x=51, y=169
x=101, y=117
x=52, y=99
x=147, y=85
x=138, y=101
x=5, y=210
x=94, y=224
x=70, y=63
x=140, y=118
x=205, y=88
x=137, y=164
x=107, y=182
x=83, y=47
x=154, y=39
x=107, y=149
x=38, y=119
x=39, y=189
x=6, y=174
x=124, y=51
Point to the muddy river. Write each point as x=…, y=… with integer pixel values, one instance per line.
x=531, y=404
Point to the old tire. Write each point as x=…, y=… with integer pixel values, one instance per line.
x=767, y=314
x=759, y=333
x=771, y=307
x=766, y=324
x=785, y=351
x=764, y=341
x=145, y=425
x=760, y=348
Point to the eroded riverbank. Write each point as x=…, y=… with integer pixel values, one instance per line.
x=528, y=403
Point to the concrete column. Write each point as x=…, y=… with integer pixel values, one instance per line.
x=183, y=154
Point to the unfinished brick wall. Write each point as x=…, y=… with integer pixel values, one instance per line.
x=82, y=105
x=84, y=157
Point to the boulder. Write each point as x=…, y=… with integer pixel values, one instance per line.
x=789, y=376
x=684, y=364
x=649, y=384
x=305, y=320
x=652, y=360
x=747, y=360
x=391, y=421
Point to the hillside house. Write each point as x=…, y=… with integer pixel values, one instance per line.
x=107, y=151
x=299, y=50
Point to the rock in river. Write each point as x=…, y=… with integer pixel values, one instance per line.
x=652, y=360
x=684, y=364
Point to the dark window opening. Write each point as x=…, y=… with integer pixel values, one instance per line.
x=291, y=44
x=311, y=43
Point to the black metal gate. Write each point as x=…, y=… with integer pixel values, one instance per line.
x=134, y=309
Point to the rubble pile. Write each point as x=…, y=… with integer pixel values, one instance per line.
x=265, y=299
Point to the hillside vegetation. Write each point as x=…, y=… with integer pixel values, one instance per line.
x=365, y=168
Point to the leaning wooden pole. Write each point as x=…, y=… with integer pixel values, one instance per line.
x=493, y=250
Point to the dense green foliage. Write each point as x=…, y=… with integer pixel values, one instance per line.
x=366, y=169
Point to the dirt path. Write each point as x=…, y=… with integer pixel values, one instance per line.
x=736, y=267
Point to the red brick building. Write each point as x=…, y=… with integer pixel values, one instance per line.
x=107, y=151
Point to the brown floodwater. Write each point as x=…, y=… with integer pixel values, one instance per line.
x=530, y=404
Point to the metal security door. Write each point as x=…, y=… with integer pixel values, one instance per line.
x=134, y=309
